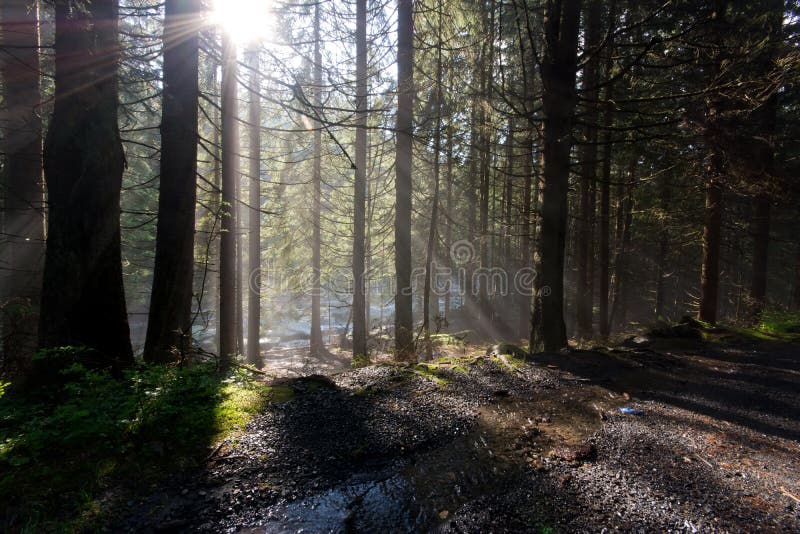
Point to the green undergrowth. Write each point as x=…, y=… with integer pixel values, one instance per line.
x=780, y=324
x=428, y=370
x=771, y=326
x=64, y=443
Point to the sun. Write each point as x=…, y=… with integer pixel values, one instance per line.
x=246, y=21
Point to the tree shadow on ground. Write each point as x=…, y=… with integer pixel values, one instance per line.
x=762, y=397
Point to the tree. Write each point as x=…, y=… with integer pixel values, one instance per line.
x=605, y=183
x=230, y=175
x=23, y=222
x=359, y=185
x=558, y=70
x=404, y=335
x=317, y=346
x=83, y=300
x=254, y=221
x=169, y=321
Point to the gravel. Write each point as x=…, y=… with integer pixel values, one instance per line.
x=494, y=449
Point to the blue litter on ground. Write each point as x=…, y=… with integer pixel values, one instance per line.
x=631, y=411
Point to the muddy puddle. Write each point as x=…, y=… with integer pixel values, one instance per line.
x=511, y=439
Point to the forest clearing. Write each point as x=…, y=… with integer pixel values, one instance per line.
x=399, y=266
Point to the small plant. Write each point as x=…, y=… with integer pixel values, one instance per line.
x=62, y=443
x=360, y=360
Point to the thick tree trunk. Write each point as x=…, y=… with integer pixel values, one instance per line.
x=254, y=221
x=230, y=175
x=558, y=71
x=169, y=320
x=359, y=185
x=83, y=299
x=404, y=340
x=23, y=220
x=588, y=157
x=317, y=346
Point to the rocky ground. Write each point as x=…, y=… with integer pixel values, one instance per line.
x=476, y=444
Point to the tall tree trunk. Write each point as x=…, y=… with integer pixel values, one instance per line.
x=316, y=344
x=558, y=72
x=83, y=299
x=485, y=168
x=170, y=317
x=448, y=240
x=588, y=158
x=524, y=306
x=359, y=185
x=605, y=184
x=254, y=230
x=230, y=175
x=469, y=292
x=23, y=221
x=433, y=229
x=238, y=237
x=404, y=340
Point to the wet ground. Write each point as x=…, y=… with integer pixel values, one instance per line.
x=483, y=445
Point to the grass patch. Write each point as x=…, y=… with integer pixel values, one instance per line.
x=780, y=324
x=429, y=371
x=64, y=444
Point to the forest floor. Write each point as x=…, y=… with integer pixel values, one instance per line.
x=469, y=443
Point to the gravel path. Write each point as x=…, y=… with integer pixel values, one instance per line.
x=487, y=448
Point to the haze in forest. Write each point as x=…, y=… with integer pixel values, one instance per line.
x=275, y=187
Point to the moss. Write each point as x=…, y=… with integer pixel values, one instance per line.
x=781, y=324
x=429, y=371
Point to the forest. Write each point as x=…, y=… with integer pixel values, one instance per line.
x=399, y=266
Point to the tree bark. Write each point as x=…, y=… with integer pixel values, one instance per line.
x=558, y=72
x=230, y=175
x=485, y=306
x=404, y=340
x=83, y=299
x=433, y=229
x=605, y=185
x=359, y=185
x=23, y=209
x=317, y=346
x=169, y=319
x=254, y=220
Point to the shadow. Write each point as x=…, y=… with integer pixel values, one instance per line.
x=754, y=391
